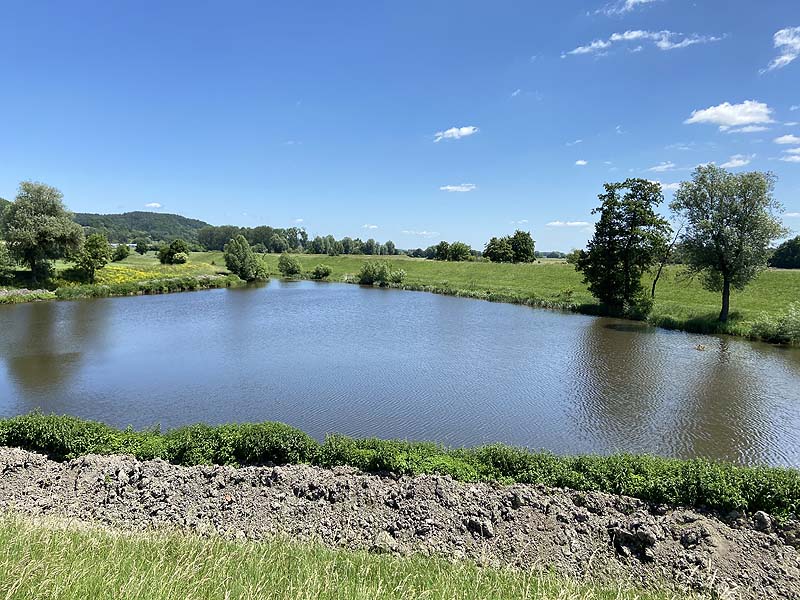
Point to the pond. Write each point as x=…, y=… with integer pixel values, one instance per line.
x=394, y=364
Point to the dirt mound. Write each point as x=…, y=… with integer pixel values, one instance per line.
x=577, y=534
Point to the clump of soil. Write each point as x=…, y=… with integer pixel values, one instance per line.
x=577, y=534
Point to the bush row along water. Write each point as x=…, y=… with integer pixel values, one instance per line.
x=695, y=483
x=153, y=286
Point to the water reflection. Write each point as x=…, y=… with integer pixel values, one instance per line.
x=369, y=362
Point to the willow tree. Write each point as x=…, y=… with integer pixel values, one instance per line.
x=38, y=229
x=730, y=224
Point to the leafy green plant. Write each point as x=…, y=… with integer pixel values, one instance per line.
x=321, y=272
x=694, y=483
x=288, y=265
x=379, y=272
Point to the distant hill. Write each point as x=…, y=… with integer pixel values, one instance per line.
x=128, y=226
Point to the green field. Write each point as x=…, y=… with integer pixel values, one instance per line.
x=681, y=302
x=60, y=561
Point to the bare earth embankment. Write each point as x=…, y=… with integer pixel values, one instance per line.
x=577, y=534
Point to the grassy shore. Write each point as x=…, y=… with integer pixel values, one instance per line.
x=56, y=560
x=697, y=483
x=681, y=302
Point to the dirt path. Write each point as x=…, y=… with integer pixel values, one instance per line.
x=607, y=538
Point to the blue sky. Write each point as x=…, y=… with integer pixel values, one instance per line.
x=413, y=121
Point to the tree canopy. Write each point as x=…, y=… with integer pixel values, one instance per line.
x=94, y=255
x=518, y=247
x=787, y=255
x=730, y=224
x=628, y=239
x=242, y=261
x=38, y=229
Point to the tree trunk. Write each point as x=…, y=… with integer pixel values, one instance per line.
x=726, y=300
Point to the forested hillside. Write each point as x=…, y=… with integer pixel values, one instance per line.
x=127, y=226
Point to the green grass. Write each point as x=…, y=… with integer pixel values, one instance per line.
x=693, y=483
x=54, y=560
x=681, y=303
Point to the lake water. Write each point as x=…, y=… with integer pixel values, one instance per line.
x=386, y=363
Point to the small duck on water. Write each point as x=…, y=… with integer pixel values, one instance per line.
x=700, y=347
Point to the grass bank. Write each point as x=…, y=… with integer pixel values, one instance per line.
x=135, y=275
x=681, y=302
x=691, y=483
x=55, y=560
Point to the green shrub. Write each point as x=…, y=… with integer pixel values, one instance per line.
x=782, y=329
x=693, y=483
x=288, y=265
x=121, y=252
x=379, y=272
x=321, y=272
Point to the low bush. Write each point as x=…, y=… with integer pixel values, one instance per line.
x=380, y=272
x=693, y=483
x=288, y=265
x=321, y=272
x=121, y=252
x=153, y=286
x=780, y=329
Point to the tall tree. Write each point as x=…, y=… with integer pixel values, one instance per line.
x=628, y=239
x=523, y=246
x=459, y=251
x=242, y=261
x=730, y=224
x=442, y=250
x=94, y=255
x=38, y=229
x=499, y=250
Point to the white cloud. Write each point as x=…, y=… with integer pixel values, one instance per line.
x=787, y=139
x=792, y=158
x=792, y=214
x=520, y=222
x=738, y=160
x=663, y=40
x=368, y=226
x=787, y=42
x=619, y=130
x=727, y=115
x=792, y=151
x=152, y=205
x=581, y=163
x=516, y=93
x=795, y=107
x=298, y=220
x=747, y=129
x=455, y=133
x=669, y=187
x=663, y=167
x=426, y=234
x=463, y=187
x=792, y=123
x=573, y=143
x=623, y=6
x=568, y=224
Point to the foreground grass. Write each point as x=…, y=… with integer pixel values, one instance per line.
x=41, y=560
x=681, y=302
x=693, y=483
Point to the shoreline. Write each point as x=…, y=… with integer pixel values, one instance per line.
x=203, y=282
x=577, y=535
